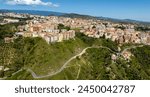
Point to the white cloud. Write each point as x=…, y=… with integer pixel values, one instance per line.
x=31, y=2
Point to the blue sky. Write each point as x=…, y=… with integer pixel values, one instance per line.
x=122, y=9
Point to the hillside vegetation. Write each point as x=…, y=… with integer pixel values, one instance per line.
x=94, y=64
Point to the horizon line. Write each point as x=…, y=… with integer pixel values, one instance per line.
x=138, y=20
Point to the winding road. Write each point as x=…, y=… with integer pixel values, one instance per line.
x=132, y=47
x=34, y=75
x=65, y=64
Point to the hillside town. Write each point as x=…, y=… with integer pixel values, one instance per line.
x=74, y=40
x=47, y=28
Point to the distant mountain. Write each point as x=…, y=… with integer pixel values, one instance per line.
x=34, y=12
x=137, y=21
x=74, y=15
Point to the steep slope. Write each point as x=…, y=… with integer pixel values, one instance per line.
x=82, y=58
x=96, y=64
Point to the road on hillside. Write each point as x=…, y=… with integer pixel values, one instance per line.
x=74, y=57
x=65, y=64
x=132, y=47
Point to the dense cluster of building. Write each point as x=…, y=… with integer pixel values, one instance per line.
x=118, y=33
x=10, y=17
x=17, y=15
x=47, y=28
